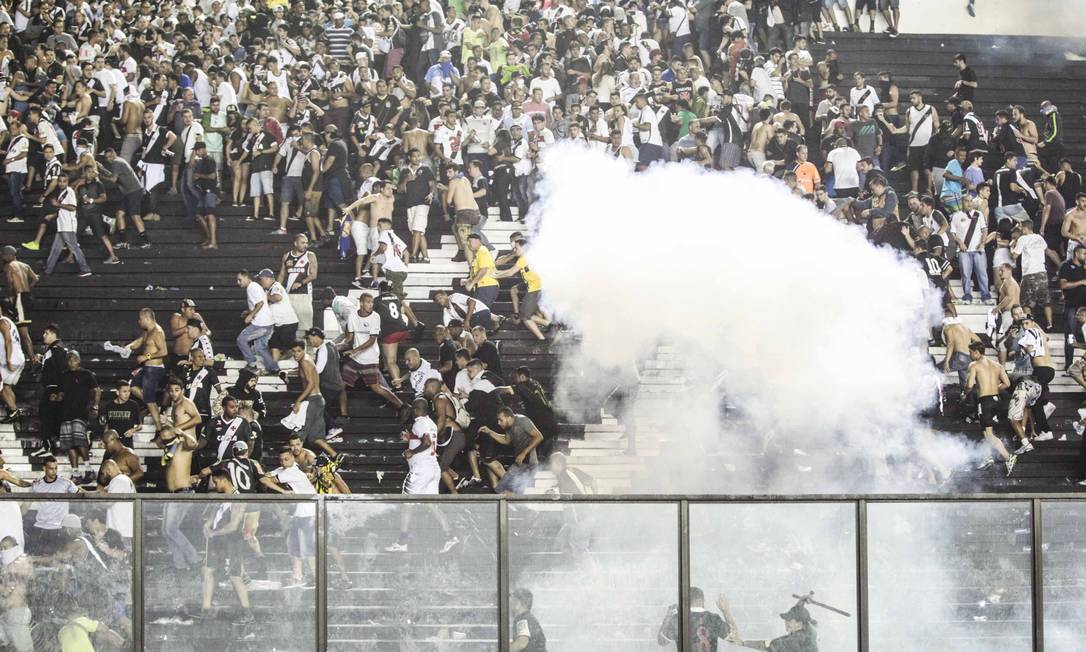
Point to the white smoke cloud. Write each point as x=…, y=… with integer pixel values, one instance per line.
x=820, y=336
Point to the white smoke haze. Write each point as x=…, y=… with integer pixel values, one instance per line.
x=822, y=338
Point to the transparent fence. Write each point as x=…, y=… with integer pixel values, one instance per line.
x=229, y=575
x=953, y=575
x=879, y=574
x=1064, y=558
x=758, y=556
x=602, y=576
x=67, y=573
x=412, y=576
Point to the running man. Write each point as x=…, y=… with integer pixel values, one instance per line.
x=989, y=378
x=225, y=546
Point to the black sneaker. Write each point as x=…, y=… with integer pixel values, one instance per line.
x=13, y=416
x=246, y=618
x=460, y=257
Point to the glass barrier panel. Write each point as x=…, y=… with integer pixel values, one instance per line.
x=600, y=576
x=412, y=576
x=1063, y=536
x=229, y=575
x=950, y=576
x=760, y=557
x=67, y=572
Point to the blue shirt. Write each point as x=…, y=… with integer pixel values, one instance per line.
x=952, y=188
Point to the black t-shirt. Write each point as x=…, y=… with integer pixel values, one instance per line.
x=198, y=387
x=223, y=432
x=121, y=417
x=416, y=190
x=205, y=166
x=1074, y=297
x=893, y=234
x=488, y=354
x=242, y=472
x=388, y=306
x=77, y=386
x=263, y=162
x=934, y=266
x=707, y=629
x=483, y=201
x=383, y=109
x=447, y=353
x=967, y=75
x=88, y=192
x=338, y=168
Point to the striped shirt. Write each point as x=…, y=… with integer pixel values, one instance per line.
x=338, y=38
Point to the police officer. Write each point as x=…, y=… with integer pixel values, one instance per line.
x=801, y=636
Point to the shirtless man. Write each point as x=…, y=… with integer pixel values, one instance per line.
x=1074, y=225
x=1009, y=292
x=314, y=428
x=21, y=280
x=415, y=137
x=131, y=124
x=152, y=361
x=180, y=435
x=121, y=455
x=179, y=329
x=14, y=578
x=461, y=197
x=303, y=457
x=759, y=137
x=958, y=339
x=989, y=378
x=380, y=204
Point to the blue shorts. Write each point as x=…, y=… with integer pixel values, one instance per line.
x=133, y=202
x=206, y=202
x=150, y=380
x=334, y=195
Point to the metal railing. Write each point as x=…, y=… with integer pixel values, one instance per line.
x=861, y=504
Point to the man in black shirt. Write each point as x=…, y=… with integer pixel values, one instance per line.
x=54, y=364
x=417, y=184
x=261, y=175
x=528, y=636
x=79, y=405
x=217, y=443
x=199, y=380
x=966, y=86
x=706, y=627
x=92, y=196
x=337, y=185
x=122, y=414
x=487, y=352
x=204, y=194
x=446, y=356
x=1072, y=277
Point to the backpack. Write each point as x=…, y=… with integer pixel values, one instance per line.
x=462, y=418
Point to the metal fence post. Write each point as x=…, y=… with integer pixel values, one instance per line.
x=137, y=575
x=864, y=628
x=1037, y=576
x=685, y=628
x=503, y=576
x=322, y=575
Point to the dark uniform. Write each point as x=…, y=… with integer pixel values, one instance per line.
x=393, y=323
x=707, y=629
x=221, y=434
x=526, y=625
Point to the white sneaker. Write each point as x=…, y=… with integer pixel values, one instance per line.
x=397, y=547
x=450, y=544
x=1079, y=428
x=1082, y=484
x=1044, y=436
x=1050, y=407
x=1024, y=448
x=986, y=464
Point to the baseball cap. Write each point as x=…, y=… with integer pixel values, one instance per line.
x=188, y=303
x=265, y=273
x=240, y=446
x=479, y=104
x=315, y=332
x=71, y=521
x=338, y=15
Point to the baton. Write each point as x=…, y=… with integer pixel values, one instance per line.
x=810, y=600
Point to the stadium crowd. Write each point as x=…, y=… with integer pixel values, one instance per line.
x=333, y=120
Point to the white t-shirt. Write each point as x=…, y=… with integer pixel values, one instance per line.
x=282, y=312
x=21, y=145
x=458, y=307
x=866, y=96
x=119, y=514
x=678, y=22
x=451, y=141
x=844, y=160
x=1032, y=250
x=52, y=512
x=66, y=220
x=296, y=479
x=959, y=224
x=361, y=329
x=423, y=426
x=920, y=127
x=462, y=384
x=651, y=136
x=254, y=294
x=549, y=85
x=394, y=248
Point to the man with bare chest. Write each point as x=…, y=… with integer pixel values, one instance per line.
x=152, y=360
x=178, y=435
x=131, y=124
x=1074, y=225
x=460, y=195
x=115, y=451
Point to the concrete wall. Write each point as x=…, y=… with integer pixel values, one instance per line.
x=1025, y=17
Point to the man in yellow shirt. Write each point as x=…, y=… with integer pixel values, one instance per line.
x=474, y=34
x=482, y=283
x=75, y=636
x=529, y=313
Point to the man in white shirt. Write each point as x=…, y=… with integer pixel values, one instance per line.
x=191, y=133
x=119, y=514
x=284, y=319
x=259, y=325
x=424, y=473
x=841, y=161
x=65, y=202
x=969, y=230
x=1031, y=248
x=361, y=361
x=46, y=538
x=647, y=123
x=15, y=166
x=301, y=535
x=863, y=94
